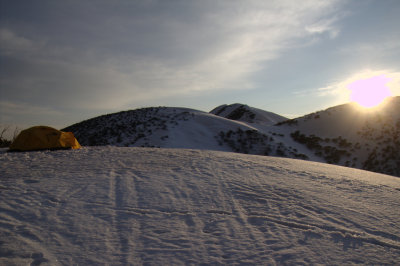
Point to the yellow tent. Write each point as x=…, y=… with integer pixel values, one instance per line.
x=44, y=138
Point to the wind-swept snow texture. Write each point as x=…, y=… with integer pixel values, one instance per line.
x=134, y=206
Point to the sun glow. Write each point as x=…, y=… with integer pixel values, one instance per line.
x=370, y=92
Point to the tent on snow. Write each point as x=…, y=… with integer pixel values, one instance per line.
x=44, y=138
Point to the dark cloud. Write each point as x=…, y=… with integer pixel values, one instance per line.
x=115, y=53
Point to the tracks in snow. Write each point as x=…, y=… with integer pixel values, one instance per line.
x=163, y=211
x=145, y=206
x=122, y=195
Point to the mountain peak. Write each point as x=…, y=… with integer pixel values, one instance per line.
x=245, y=113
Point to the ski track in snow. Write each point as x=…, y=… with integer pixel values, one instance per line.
x=135, y=206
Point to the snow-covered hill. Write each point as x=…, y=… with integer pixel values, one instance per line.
x=169, y=127
x=351, y=136
x=145, y=206
x=248, y=114
x=344, y=135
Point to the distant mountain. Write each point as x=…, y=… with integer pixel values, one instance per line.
x=344, y=135
x=245, y=113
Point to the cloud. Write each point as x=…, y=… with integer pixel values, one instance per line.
x=340, y=91
x=324, y=26
x=383, y=48
x=23, y=115
x=24, y=109
x=112, y=54
x=10, y=43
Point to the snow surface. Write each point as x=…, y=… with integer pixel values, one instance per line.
x=133, y=206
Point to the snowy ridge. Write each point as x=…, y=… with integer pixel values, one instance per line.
x=169, y=127
x=349, y=136
x=343, y=135
x=248, y=114
x=146, y=206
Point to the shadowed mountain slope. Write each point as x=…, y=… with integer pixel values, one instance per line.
x=345, y=135
x=248, y=114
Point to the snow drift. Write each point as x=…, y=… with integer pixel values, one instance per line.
x=120, y=206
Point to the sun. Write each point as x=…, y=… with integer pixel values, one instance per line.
x=370, y=92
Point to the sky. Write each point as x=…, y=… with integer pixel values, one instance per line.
x=62, y=62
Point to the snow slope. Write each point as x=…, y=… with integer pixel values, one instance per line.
x=351, y=136
x=166, y=127
x=172, y=127
x=245, y=113
x=343, y=135
x=133, y=206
